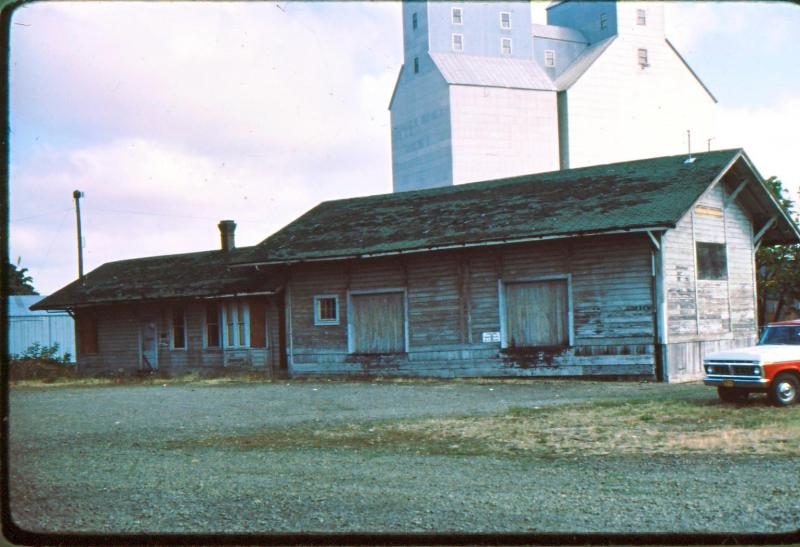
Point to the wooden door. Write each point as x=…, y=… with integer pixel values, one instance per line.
x=149, y=349
x=536, y=313
x=377, y=322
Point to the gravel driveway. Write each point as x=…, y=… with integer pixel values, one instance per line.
x=104, y=459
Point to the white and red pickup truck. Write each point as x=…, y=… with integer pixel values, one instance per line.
x=772, y=366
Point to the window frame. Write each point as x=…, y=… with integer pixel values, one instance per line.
x=704, y=269
x=642, y=55
x=641, y=17
x=501, y=302
x=603, y=21
x=503, y=41
x=551, y=62
x=502, y=26
x=172, y=326
x=318, y=321
x=207, y=324
x=460, y=12
x=453, y=41
x=237, y=324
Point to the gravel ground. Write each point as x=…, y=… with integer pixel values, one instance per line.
x=98, y=460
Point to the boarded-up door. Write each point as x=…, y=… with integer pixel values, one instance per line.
x=149, y=353
x=377, y=322
x=536, y=313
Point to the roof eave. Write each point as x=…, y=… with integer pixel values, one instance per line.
x=465, y=245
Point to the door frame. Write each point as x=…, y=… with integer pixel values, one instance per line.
x=350, y=293
x=501, y=298
x=142, y=324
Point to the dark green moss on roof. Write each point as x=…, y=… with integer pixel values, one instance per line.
x=634, y=194
x=163, y=277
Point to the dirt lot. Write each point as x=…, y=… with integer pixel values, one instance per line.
x=464, y=456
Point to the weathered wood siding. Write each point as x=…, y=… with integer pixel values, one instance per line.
x=119, y=340
x=708, y=315
x=454, y=310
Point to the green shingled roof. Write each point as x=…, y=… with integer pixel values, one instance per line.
x=162, y=277
x=652, y=193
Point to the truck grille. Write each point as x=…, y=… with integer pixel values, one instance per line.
x=730, y=369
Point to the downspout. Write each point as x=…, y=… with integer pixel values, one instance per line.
x=563, y=130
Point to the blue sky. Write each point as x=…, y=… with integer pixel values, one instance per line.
x=172, y=116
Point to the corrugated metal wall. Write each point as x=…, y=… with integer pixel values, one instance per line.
x=24, y=331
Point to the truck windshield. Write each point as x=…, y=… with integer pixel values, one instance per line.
x=783, y=335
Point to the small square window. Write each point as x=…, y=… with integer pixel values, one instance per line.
x=603, y=20
x=456, y=15
x=505, y=20
x=414, y=21
x=416, y=65
x=326, y=310
x=643, y=62
x=549, y=57
x=505, y=46
x=711, y=261
x=458, y=42
x=641, y=17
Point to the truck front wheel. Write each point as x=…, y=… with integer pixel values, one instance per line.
x=732, y=394
x=783, y=390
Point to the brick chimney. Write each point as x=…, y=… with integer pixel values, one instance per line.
x=226, y=231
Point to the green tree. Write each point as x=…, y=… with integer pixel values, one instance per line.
x=778, y=267
x=19, y=282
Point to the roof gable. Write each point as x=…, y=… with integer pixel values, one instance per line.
x=642, y=194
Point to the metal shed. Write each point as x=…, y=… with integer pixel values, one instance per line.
x=27, y=327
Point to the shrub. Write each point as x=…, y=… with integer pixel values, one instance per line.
x=40, y=362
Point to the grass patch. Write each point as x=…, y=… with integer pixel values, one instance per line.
x=605, y=428
x=76, y=380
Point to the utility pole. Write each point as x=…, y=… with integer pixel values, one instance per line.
x=77, y=194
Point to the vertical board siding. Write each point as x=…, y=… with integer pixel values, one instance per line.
x=705, y=315
x=377, y=322
x=453, y=300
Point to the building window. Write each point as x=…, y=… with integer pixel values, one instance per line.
x=326, y=310
x=178, y=328
x=458, y=42
x=414, y=21
x=641, y=17
x=643, y=58
x=87, y=343
x=456, y=15
x=505, y=46
x=505, y=20
x=416, y=65
x=711, y=261
x=549, y=57
x=236, y=331
x=212, y=325
x=603, y=20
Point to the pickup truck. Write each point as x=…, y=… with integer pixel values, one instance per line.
x=772, y=366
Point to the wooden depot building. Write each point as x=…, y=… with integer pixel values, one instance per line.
x=632, y=269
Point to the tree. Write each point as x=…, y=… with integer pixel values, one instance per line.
x=778, y=267
x=18, y=280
